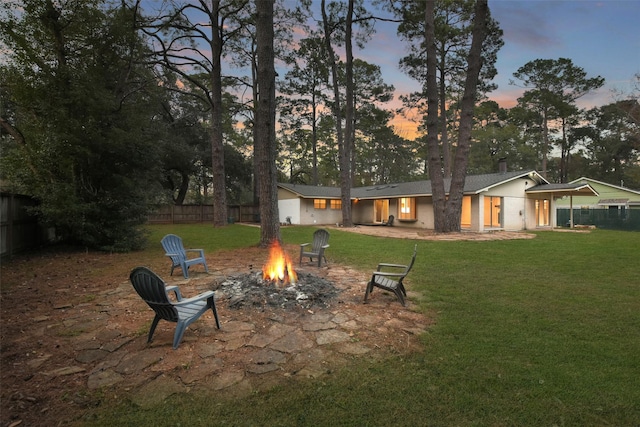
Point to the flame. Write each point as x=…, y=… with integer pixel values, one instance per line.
x=278, y=268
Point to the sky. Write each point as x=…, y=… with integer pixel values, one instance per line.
x=601, y=37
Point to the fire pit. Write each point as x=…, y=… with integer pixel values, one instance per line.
x=278, y=286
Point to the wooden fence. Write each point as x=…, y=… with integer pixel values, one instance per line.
x=183, y=214
x=19, y=230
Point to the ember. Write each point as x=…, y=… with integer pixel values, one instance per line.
x=278, y=268
x=251, y=290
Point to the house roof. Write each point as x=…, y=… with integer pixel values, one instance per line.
x=312, y=191
x=474, y=184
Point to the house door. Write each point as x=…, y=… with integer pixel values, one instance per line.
x=380, y=210
x=493, y=212
x=542, y=213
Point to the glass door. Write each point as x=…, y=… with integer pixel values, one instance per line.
x=380, y=210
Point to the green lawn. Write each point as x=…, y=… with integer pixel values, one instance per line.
x=537, y=332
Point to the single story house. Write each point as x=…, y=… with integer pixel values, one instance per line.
x=510, y=201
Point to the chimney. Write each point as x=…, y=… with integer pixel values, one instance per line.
x=502, y=165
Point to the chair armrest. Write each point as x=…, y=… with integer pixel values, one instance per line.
x=176, y=290
x=304, y=244
x=204, y=295
x=325, y=246
x=201, y=251
x=384, y=264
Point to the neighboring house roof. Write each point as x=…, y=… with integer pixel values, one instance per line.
x=617, y=187
x=474, y=184
x=570, y=188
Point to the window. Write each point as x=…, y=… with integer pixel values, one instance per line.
x=335, y=204
x=319, y=203
x=465, y=217
x=407, y=209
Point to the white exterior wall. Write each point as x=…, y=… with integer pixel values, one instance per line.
x=312, y=216
x=424, y=214
x=289, y=208
x=477, y=214
x=361, y=211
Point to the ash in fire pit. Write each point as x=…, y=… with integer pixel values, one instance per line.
x=251, y=290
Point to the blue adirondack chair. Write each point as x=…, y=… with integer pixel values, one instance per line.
x=389, y=277
x=175, y=250
x=316, y=248
x=154, y=291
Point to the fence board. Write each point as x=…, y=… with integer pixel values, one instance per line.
x=617, y=219
x=19, y=230
x=185, y=214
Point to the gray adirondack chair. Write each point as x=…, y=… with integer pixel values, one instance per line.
x=154, y=291
x=175, y=250
x=389, y=277
x=316, y=248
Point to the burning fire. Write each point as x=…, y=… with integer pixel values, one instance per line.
x=278, y=268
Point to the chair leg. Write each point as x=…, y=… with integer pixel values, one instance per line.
x=185, y=271
x=177, y=337
x=215, y=311
x=153, y=328
x=368, y=291
x=398, y=293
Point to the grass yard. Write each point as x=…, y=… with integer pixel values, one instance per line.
x=535, y=332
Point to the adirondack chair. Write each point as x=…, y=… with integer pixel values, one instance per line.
x=316, y=248
x=389, y=277
x=175, y=250
x=389, y=222
x=154, y=291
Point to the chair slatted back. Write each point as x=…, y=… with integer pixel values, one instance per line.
x=320, y=239
x=152, y=290
x=413, y=260
x=172, y=244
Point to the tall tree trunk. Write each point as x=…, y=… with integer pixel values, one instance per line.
x=545, y=140
x=433, y=148
x=346, y=215
x=265, y=119
x=453, y=209
x=314, y=139
x=217, y=143
x=447, y=212
x=444, y=134
x=346, y=154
